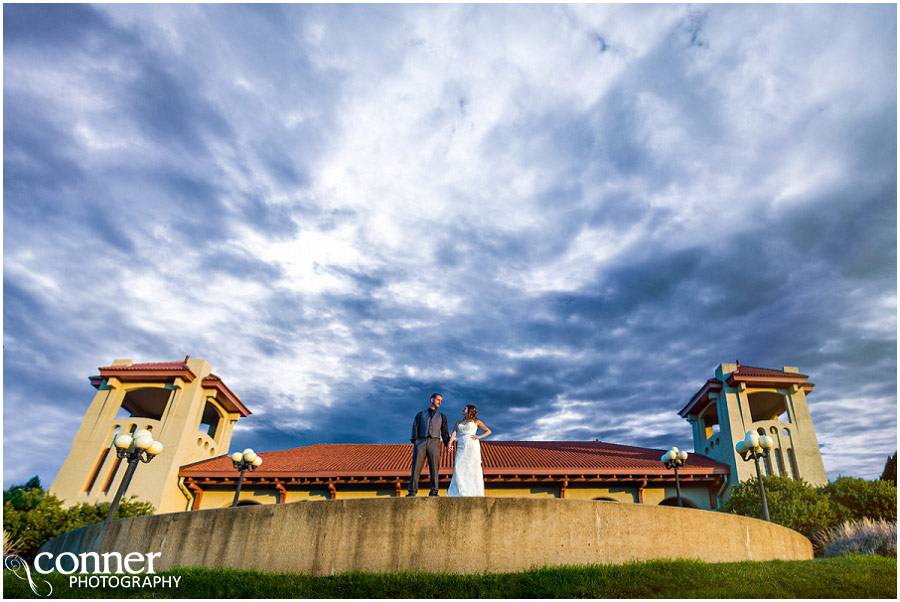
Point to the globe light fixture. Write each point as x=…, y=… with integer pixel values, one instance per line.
x=674, y=458
x=754, y=447
x=140, y=447
x=243, y=461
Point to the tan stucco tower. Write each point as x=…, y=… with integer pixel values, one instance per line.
x=184, y=405
x=772, y=402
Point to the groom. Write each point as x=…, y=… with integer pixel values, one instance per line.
x=428, y=428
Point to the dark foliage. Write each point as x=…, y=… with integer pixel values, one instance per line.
x=890, y=470
x=32, y=516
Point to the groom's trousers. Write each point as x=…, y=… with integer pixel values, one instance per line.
x=425, y=448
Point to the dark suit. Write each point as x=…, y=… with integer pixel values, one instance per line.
x=428, y=429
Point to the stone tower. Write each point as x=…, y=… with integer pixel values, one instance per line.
x=772, y=402
x=183, y=405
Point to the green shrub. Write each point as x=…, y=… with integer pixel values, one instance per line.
x=793, y=504
x=32, y=516
x=864, y=536
x=854, y=499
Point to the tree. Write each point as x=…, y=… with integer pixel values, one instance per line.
x=855, y=499
x=890, y=470
x=17, y=494
x=32, y=517
x=793, y=504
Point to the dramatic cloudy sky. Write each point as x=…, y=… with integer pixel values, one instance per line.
x=567, y=215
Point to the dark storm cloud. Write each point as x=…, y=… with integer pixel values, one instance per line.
x=565, y=215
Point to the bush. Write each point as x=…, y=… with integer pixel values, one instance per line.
x=854, y=499
x=32, y=517
x=864, y=536
x=793, y=504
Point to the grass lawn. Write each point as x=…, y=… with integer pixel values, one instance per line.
x=846, y=577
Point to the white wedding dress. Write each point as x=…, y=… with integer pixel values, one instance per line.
x=468, y=480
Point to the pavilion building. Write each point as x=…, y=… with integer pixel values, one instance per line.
x=193, y=413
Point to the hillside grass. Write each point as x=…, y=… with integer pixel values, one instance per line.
x=844, y=577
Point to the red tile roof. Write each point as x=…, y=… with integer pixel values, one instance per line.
x=753, y=371
x=749, y=375
x=167, y=371
x=148, y=366
x=149, y=372
x=499, y=457
x=224, y=395
x=762, y=377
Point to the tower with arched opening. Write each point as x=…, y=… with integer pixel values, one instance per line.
x=184, y=405
x=772, y=402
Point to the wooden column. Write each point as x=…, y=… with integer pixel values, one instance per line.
x=198, y=495
x=640, y=491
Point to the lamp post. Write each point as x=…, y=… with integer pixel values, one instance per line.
x=248, y=460
x=754, y=447
x=141, y=447
x=674, y=459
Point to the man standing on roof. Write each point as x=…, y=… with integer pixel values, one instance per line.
x=428, y=429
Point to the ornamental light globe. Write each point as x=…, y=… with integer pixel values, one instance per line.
x=247, y=451
x=752, y=439
x=123, y=441
x=741, y=447
x=682, y=455
x=250, y=457
x=237, y=457
x=142, y=433
x=155, y=448
x=257, y=461
x=143, y=442
x=766, y=442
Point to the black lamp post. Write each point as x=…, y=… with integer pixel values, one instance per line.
x=675, y=459
x=142, y=447
x=754, y=447
x=248, y=460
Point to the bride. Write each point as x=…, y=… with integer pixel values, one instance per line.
x=468, y=479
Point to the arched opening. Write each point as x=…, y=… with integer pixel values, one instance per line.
x=112, y=473
x=673, y=501
x=793, y=461
x=780, y=461
x=92, y=478
x=209, y=423
x=605, y=499
x=248, y=503
x=709, y=421
x=766, y=405
x=767, y=464
x=150, y=403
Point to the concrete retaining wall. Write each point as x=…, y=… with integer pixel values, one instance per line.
x=436, y=534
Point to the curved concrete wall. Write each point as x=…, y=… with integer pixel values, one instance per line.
x=436, y=534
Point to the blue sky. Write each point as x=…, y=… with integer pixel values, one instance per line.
x=567, y=215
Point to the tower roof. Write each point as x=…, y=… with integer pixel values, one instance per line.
x=127, y=371
x=750, y=376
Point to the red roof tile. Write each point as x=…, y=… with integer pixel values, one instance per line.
x=150, y=372
x=229, y=400
x=753, y=371
x=149, y=366
x=499, y=457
